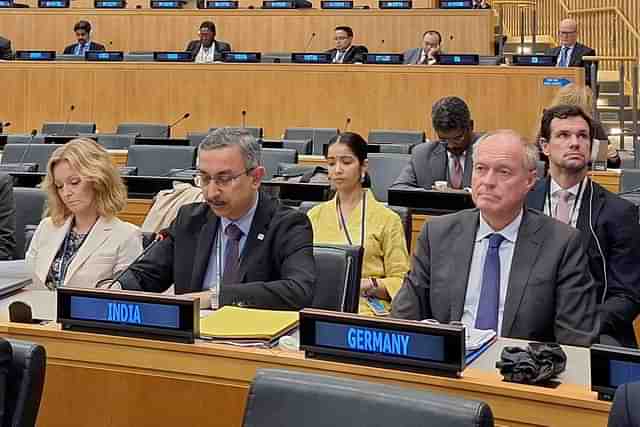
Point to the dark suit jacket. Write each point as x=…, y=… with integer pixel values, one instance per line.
x=551, y=296
x=5, y=49
x=277, y=269
x=194, y=48
x=354, y=54
x=622, y=413
x=430, y=163
x=92, y=46
x=578, y=52
x=7, y=218
x=615, y=222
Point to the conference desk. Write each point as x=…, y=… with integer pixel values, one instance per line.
x=274, y=96
x=468, y=31
x=99, y=381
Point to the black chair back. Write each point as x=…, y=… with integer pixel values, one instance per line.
x=26, y=380
x=280, y=398
x=30, y=204
x=338, y=286
x=158, y=160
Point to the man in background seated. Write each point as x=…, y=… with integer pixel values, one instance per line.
x=258, y=250
x=83, y=37
x=345, y=52
x=449, y=158
x=502, y=266
x=7, y=218
x=5, y=49
x=570, y=52
x=609, y=224
x=429, y=53
x=207, y=49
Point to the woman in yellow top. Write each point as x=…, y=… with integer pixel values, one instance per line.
x=339, y=221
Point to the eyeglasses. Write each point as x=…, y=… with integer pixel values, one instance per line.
x=203, y=180
x=457, y=138
x=567, y=33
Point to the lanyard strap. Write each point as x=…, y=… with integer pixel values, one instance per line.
x=343, y=223
x=63, y=264
x=573, y=207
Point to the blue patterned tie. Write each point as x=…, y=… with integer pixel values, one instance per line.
x=564, y=57
x=489, y=303
x=232, y=254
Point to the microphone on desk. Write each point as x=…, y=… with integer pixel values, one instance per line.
x=72, y=107
x=313, y=36
x=381, y=45
x=160, y=236
x=34, y=132
x=244, y=119
x=4, y=125
x=172, y=125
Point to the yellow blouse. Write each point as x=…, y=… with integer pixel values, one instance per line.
x=385, y=249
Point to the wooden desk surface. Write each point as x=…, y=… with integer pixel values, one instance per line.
x=468, y=31
x=275, y=96
x=95, y=380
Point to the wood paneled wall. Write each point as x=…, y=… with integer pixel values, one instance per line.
x=604, y=30
x=275, y=96
x=253, y=30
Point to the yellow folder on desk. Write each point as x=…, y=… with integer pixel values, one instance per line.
x=248, y=323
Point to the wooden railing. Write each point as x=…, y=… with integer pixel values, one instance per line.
x=610, y=28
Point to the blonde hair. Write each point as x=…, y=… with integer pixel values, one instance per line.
x=572, y=94
x=93, y=163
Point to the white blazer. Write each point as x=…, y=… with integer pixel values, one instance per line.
x=110, y=246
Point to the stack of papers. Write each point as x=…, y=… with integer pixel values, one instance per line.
x=477, y=341
x=247, y=326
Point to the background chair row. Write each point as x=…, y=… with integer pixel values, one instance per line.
x=398, y=141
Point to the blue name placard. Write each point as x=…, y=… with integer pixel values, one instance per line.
x=311, y=58
x=53, y=4
x=35, y=55
x=395, y=4
x=383, y=58
x=333, y=4
x=220, y=4
x=456, y=4
x=553, y=81
x=108, y=56
x=137, y=314
x=459, y=59
x=379, y=341
x=384, y=342
x=109, y=4
x=277, y=4
x=125, y=312
x=6, y=3
x=242, y=57
x=173, y=56
x=166, y=4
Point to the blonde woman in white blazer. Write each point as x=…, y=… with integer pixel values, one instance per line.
x=82, y=242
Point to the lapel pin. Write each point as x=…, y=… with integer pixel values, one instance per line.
x=260, y=236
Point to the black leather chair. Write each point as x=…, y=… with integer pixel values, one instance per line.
x=273, y=157
x=254, y=131
x=302, y=146
x=153, y=130
x=195, y=138
x=112, y=141
x=26, y=380
x=338, y=287
x=66, y=129
x=30, y=204
x=29, y=153
x=318, y=136
x=289, y=398
x=630, y=180
x=384, y=169
x=25, y=139
x=158, y=160
x=409, y=137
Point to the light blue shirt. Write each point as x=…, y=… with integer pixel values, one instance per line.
x=244, y=224
x=569, y=50
x=474, y=285
x=82, y=48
